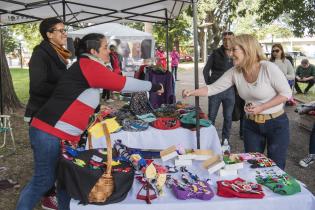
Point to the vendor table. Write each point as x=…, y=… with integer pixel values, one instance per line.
x=153, y=138
x=272, y=201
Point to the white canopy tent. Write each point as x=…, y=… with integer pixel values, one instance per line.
x=82, y=13
x=112, y=31
x=116, y=31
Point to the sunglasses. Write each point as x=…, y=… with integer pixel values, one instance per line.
x=275, y=51
x=229, y=33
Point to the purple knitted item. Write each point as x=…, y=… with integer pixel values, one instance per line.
x=187, y=192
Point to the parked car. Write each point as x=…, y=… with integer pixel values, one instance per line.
x=185, y=58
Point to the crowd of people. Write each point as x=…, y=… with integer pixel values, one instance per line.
x=237, y=69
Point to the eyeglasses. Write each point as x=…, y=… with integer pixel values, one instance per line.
x=229, y=33
x=277, y=50
x=235, y=49
x=63, y=30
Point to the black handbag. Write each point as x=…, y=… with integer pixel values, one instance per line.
x=78, y=175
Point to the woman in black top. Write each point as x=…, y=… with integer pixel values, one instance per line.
x=47, y=64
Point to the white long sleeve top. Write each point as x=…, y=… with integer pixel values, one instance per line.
x=286, y=67
x=270, y=83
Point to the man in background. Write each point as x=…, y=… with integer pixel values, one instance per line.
x=217, y=64
x=305, y=73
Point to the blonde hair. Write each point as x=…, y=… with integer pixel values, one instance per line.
x=252, y=51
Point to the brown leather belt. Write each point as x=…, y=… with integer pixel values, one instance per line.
x=261, y=118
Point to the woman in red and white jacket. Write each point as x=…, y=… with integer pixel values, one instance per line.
x=66, y=114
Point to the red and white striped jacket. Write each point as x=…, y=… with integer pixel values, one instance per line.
x=77, y=95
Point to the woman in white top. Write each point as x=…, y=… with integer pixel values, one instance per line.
x=265, y=90
x=278, y=57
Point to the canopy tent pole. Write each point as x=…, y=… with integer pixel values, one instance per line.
x=196, y=70
x=1, y=70
x=166, y=24
x=64, y=10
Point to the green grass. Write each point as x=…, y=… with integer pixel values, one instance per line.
x=20, y=78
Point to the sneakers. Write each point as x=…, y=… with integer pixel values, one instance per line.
x=109, y=100
x=308, y=160
x=50, y=203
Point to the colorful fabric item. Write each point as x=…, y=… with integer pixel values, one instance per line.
x=139, y=104
x=282, y=184
x=147, y=117
x=190, y=119
x=166, y=123
x=134, y=125
x=261, y=162
x=239, y=188
x=196, y=190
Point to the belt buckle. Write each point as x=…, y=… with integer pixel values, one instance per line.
x=259, y=118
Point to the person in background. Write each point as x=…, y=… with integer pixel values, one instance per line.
x=305, y=73
x=265, y=90
x=116, y=66
x=217, y=64
x=278, y=57
x=174, y=62
x=66, y=114
x=48, y=63
x=136, y=51
x=115, y=60
x=309, y=159
x=160, y=58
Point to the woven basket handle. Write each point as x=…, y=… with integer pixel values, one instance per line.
x=108, y=144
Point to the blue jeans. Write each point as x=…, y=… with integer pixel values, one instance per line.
x=227, y=98
x=274, y=133
x=174, y=72
x=312, y=141
x=46, y=151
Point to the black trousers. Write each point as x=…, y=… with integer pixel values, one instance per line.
x=310, y=84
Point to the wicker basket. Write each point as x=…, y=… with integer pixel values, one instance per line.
x=104, y=187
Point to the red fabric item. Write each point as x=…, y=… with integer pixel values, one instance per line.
x=166, y=123
x=239, y=188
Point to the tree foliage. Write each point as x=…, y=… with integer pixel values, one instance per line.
x=30, y=33
x=10, y=43
x=300, y=14
x=179, y=31
x=246, y=22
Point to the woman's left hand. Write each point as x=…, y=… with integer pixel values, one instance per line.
x=254, y=109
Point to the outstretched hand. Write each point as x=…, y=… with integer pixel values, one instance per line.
x=185, y=93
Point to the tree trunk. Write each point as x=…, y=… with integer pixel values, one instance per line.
x=10, y=102
x=201, y=35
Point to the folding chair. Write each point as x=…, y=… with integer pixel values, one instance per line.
x=5, y=127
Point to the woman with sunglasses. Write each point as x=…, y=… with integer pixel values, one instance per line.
x=265, y=89
x=66, y=113
x=47, y=64
x=278, y=57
